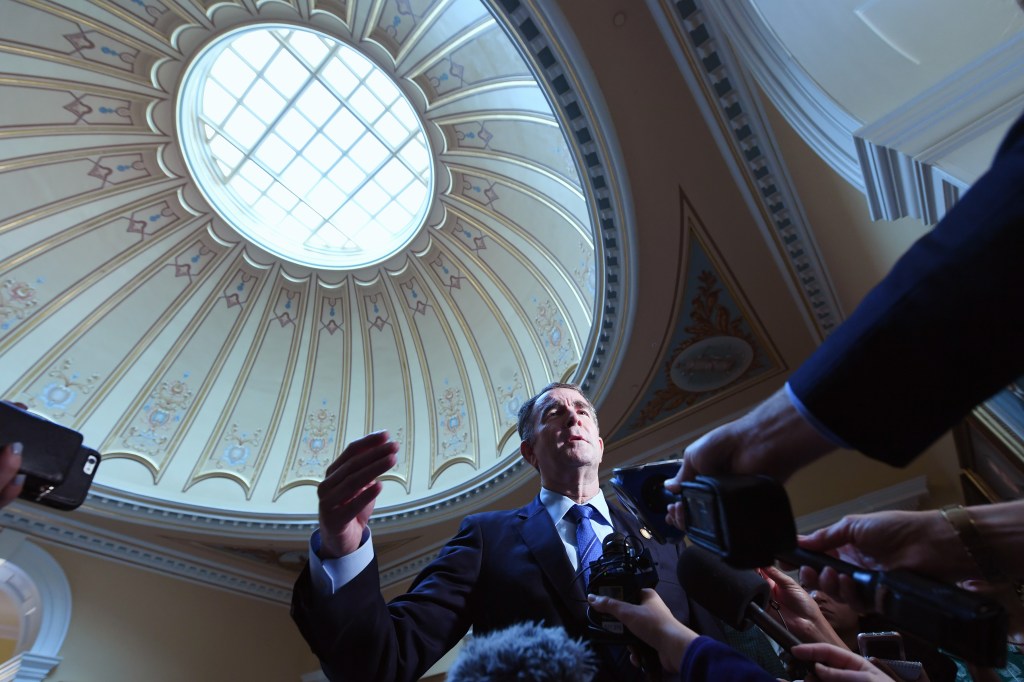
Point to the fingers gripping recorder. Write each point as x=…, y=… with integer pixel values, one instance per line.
x=748, y=522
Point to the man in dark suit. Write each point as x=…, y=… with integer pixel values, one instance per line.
x=501, y=568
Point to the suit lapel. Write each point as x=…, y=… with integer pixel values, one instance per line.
x=540, y=536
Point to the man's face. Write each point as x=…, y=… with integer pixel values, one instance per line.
x=565, y=434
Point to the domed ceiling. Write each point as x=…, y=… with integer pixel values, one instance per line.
x=219, y=322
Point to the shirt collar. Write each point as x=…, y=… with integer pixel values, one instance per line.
x=557, y=505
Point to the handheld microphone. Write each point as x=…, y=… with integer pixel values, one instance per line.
x=524, y=651
x=971, y=626
x=734, y=596
x=748, y=522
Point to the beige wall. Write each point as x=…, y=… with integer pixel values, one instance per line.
x=132, y=624
x=857, y=253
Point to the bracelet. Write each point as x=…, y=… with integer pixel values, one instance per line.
x=971, y=540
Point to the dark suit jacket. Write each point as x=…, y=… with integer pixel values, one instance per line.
x=939, y=334
x=501, y=568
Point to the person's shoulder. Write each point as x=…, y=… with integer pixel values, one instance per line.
x=495, y=516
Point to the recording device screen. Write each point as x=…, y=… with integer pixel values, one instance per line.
x=748, y=522
x=885, y=645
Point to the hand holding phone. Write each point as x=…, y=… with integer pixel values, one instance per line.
x=11, y=481
x=56, y=468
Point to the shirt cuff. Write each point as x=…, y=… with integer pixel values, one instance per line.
x=815, y=423
x=330, y=575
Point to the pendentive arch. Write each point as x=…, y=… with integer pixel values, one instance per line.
x=36, y=584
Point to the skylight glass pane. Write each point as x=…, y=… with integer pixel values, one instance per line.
x=217, y=102
x=307, y=217
x=244, y=128
x=325, y=198
x=368, y=153
x=411, y=198
x=274, y=153
x=256, y=47
x=359, y=64
x=309, y=48
x=281, y=148
x=329, y=237
x=372, y=197
x=256, y=175
x=225, y=151
x=295, y=129
x=317, y=103
x=292, y=230
x=244, y=189
x=351, y=218
x=269, y=211
x=300, y=176
x=264, y=102
x=394, y=218
x=286, y=74
x=340, y=77
x=390, y=130
x=232, y=73
x=364, y=102
x=346, y=175
x=383, y=87
x=415, y=156
x=404, y=113
x=395, y=176
x=283, y=197
x=322, y=153
x=344, y=129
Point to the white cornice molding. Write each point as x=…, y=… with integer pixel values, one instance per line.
x=718, y=81
x=28, y=667
x=818, y=119
x=65, y=531
x=897, y=160
x=902, y=152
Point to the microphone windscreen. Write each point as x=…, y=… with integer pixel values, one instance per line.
x=723, y=590
x=524, y=651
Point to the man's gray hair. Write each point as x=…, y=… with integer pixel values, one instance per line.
x=526, y=426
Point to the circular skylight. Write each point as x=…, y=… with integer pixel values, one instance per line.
x=304, y=146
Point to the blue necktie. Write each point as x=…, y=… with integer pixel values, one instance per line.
x=587, y=547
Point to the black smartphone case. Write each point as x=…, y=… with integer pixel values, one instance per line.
x=48, y=448
x=71, y=493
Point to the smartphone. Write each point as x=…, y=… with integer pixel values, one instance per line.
x=58, y=469
x=886, y=645
x=47, y=447
x=71, y=493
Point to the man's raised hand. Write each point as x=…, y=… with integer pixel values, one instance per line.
x=349, y=490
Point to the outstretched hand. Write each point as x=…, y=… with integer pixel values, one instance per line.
x=10, y=480
x=772, y=439
x=918, y=541
x=800, y=612
x=349, y=491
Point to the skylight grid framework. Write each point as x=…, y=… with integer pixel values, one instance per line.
x=311, y=147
